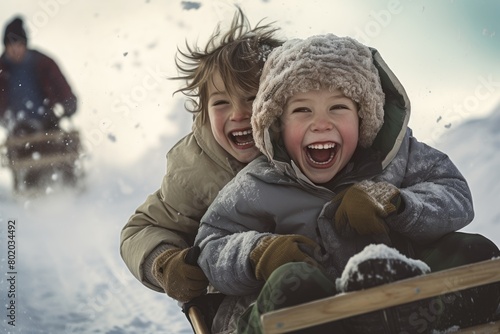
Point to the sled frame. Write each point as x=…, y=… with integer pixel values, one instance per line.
x=349, y=304
x=58, y=150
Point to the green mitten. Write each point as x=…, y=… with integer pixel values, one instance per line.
x=364, y=207
x=276, y=250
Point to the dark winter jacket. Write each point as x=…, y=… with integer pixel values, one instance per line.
x=271, y=196
x=197, y=168
x=53, y=86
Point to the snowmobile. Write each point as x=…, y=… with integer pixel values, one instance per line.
x=350, y=304
x=42, y=158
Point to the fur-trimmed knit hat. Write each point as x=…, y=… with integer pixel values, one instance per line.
x=324, y=61
x=14, y=32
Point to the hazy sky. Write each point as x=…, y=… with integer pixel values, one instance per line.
x=445, y=53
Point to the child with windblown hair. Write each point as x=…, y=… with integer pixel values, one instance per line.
x=221, y=79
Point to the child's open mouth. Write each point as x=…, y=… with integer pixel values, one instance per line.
x=321, y=154
x=242, y=138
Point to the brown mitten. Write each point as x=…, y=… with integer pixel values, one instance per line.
x=276, y=250
x=364, y=207
x=180, y=280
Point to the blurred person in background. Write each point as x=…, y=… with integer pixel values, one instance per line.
x=34, y=96
x=31, y=85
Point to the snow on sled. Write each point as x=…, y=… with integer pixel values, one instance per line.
x=43, y=159
x=355, y=303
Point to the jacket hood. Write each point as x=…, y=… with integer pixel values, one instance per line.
x=335, y=63
x=202, y=131
x=397, y=110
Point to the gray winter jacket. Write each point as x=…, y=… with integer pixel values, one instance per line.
x=271, y=196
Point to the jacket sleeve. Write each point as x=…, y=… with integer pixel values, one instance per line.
x=3, y=89
x=169, y=218
x=156, y=226
x=56, y=87
x=228, y=233
x=437, y=197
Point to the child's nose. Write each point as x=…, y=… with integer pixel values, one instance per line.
x=241, y=111
x=322, y=123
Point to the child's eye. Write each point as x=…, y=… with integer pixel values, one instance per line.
x=339, y=106
x=301, y=109
x=220, y=102
x=251, y=99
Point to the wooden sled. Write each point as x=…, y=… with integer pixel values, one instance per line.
x=34, y=158
x=354, y=303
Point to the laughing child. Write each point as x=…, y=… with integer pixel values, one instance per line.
x=221, y=80
x=341, y=171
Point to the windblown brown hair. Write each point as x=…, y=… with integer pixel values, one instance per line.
x=238, y=55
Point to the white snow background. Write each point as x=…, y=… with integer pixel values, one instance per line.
x=117, y=56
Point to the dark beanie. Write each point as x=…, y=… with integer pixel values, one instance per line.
x=14, y=32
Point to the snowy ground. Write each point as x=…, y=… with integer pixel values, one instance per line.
x=116, y=54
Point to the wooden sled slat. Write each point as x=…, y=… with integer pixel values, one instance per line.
x=46, y=161
x=197, y=322
x=354, y=303
x=42, y=137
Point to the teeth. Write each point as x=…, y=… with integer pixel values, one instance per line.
x=242, y=133
x=321, y=163
x=321, y=146
x=324, y=163
x=246, y=143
